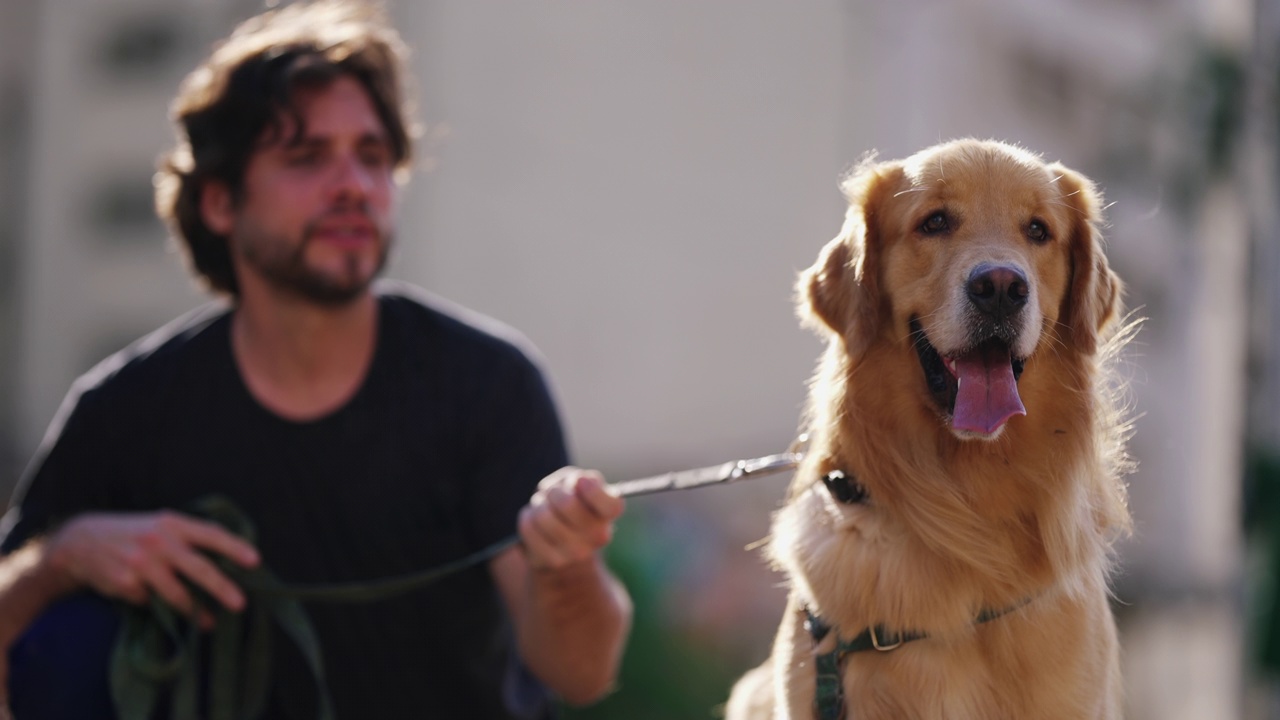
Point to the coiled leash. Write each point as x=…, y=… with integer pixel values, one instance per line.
x=160, y=654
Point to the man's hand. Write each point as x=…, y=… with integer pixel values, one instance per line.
x=568, y=519
x=571, y=615
x=128, y=555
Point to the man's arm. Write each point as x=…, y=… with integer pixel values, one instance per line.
x=28, y=584
x=571, y=614
x=125, y=556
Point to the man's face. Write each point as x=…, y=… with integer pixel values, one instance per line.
x=315, y=215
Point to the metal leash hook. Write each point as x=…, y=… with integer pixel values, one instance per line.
x=713, y=474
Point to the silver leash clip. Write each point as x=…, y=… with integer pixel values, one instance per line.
x=710, y=475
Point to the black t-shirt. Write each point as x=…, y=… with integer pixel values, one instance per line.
x=429, y=461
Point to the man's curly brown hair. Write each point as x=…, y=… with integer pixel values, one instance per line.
x=246, y=89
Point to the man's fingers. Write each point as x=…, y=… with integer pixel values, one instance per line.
x=585, y=523
x=199, y=570
x=588, y=486
x=569, y=509
x=160, y=578
x=599, y=497
x=552, y=541
x=570, y=516
x=552, y=525
x=560, y=477
x=168, y=559
x=211, y=536
x=130, y=556
x=178, y=540
x=541, y=548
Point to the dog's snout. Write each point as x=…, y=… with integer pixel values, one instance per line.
x=998, y=291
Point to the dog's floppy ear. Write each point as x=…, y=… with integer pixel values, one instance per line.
x=840, y=293
x=1093, y=297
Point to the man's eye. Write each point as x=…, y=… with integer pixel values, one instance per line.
x=304, y=158
x=375, y=158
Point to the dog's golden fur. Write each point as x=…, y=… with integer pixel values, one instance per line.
x=957, y=521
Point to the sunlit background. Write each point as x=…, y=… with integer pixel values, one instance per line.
x=635, y=186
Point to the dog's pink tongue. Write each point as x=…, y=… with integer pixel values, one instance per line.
x=988, y=392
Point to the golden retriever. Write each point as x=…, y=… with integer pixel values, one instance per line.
x=948, y=536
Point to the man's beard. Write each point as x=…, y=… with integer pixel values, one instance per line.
x=286, y=269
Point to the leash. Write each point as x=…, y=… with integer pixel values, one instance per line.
x=161, y=656
x=711, y=475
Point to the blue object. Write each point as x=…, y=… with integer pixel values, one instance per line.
x=58, y=668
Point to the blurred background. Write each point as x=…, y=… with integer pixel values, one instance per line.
x=635, y=185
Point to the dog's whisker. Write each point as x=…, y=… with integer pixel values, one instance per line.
x=921, y=318
x=1054, y=339
x=1069, y=206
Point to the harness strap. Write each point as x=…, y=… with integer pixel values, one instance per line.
x=828, y=700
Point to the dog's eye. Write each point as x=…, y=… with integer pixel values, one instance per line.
x=843, y=488
x=935, y=224
x=1037, y=232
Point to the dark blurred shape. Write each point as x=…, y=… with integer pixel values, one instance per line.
x=141, y=46
x=122, y=207
x=58, y=668
x=1262, y=523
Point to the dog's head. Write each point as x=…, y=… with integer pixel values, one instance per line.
x=967, y=260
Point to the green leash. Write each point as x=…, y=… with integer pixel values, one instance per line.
x=160, y=654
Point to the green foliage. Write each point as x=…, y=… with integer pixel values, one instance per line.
x=1262, y=522
x=1217, y=98
x=665, y=673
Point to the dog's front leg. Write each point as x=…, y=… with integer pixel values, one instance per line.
x=794, y=675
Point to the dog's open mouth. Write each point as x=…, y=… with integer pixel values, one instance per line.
x=977, y=388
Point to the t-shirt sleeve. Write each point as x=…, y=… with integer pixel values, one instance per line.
x=72, y=471
x=520, y=442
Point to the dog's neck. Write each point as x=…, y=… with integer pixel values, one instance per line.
x=997, y=521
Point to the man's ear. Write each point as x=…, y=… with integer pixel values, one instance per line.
x=1093, y=300
x=840, y=293
x=217, y=207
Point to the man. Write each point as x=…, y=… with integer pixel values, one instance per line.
x=367, y=430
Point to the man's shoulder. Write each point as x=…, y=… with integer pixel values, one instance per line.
x=126, y=385
x=441, y=323
x=156, y=355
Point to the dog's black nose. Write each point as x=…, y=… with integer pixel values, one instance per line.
x=998, y=291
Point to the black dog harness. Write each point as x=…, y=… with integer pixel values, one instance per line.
x=828, y=700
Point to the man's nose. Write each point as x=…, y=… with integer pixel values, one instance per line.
x=352, y=178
